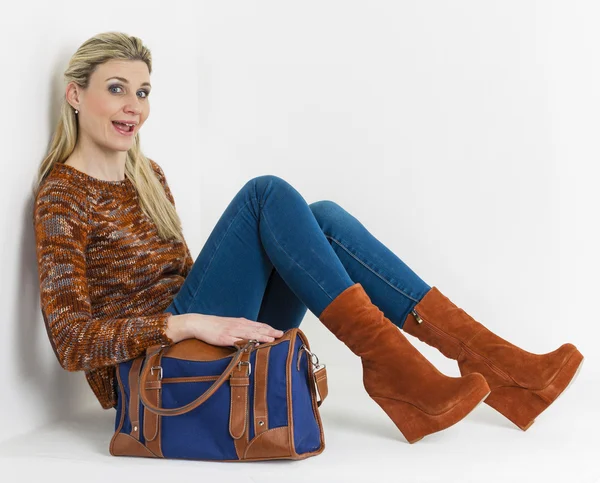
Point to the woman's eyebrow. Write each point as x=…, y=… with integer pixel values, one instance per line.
x=122, y=79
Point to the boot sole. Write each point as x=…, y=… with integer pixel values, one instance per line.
x=415, y=424
x=522, y=406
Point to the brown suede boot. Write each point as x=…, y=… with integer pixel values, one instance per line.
x=414, y=394
x=523, y=384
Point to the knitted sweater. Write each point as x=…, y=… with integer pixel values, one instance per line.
x=105, y=275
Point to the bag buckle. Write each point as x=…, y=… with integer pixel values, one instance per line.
x=160, y=374
x=250, y=344
x=246, y=363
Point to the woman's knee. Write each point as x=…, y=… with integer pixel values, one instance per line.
x=327, y=209
x=260, y=184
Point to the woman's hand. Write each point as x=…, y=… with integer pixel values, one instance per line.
x=217, y=330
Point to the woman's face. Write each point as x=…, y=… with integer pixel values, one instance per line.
x=108, y=99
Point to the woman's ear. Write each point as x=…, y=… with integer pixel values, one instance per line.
x=72, y=95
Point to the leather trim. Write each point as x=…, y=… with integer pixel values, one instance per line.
x=120, y=425
x=313, y=391
x=134, y=397
x=239, y=382
x=289, y=365
x=198, y=350
x=152, y=420
x=167, y=380
x=240, y=445
x=125, y=445
x=261, y=371
x=274, y=442
x=320, y=378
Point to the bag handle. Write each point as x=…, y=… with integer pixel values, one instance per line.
x=199, y=400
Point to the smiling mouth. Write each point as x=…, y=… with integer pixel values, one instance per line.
x=123, y=128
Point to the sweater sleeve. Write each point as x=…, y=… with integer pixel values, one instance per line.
x=189, y=261
x=80, y=341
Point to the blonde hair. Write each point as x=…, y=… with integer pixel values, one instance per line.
x=152, y=196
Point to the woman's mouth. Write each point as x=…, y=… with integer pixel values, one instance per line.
x=124, y=129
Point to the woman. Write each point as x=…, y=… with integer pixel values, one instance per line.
x=116, y=275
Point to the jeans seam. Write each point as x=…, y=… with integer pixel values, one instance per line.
x=370, y=269
x=292, y=259
x=214, y=254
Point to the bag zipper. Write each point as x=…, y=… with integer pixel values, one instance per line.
x=421, y=320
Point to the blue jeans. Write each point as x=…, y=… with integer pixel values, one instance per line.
x=271, y=256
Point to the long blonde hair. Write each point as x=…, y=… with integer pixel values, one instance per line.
x=93, y=52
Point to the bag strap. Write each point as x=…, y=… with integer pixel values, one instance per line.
x=317, y=371
x=134, y=407
x=243, y=346
x=320, y=378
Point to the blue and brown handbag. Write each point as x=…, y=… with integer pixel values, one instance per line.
x=194, y=400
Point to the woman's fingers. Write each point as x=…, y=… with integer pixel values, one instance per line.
x=264, y=328
x=258, y=337
x=259, y=334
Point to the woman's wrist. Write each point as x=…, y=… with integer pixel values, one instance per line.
x=177, y=328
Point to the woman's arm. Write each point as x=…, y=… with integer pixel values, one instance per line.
x=218, y=330
x=80, y=341
x=177, y=328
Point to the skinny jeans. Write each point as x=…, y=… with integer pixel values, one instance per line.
x=271, y=257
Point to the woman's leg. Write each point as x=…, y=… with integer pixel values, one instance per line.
x=267, y=225
x=401, y=295
x=280, y=307
x=391, y=284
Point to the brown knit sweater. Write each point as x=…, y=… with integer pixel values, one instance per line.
x=105, y=275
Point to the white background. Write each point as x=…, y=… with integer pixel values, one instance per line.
x=463, y=135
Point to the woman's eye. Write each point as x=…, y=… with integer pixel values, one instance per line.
x=146, y=93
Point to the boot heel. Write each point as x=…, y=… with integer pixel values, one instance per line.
x=522, y=406
x=414, y=423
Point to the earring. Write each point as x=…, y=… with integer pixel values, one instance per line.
x=76, y=111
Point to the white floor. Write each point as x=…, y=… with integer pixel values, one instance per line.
x=362, y=445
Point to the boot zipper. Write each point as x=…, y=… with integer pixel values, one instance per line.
x=500, y=372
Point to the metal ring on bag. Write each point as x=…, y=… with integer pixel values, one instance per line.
x=313, y=358
x=249, y=343
x=315, y=361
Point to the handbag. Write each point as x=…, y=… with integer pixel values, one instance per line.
x=194, y=400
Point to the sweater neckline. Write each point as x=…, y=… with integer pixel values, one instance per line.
x=121, y=185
